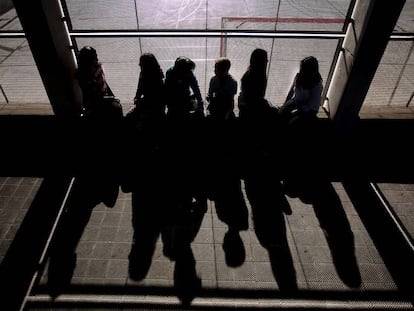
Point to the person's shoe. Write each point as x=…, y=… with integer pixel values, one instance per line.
x=233, y=247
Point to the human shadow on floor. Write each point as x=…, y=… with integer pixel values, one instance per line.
x=224, y=188
x=167, y=203
x=162, y=208
x=268, y=204
x=158, y=214
x=87, y=192
x=185, y=155
x=335, y=225
x=232, y=210
x=385, y=230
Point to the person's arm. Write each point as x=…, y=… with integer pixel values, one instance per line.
x=93, y=87
x=314, y=100
x=291, y=90
x=168, y=89
x=210, y=89
x=139, y=91
x=86, y=91
x=100, y=80
x=195, y=88
x=197, y=93
x=232, y=91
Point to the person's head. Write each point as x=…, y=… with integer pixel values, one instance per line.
x=222, y=66
x=258, y=59
x=183, y=66
x=149, y=63
x=88, y=58
x=309, y=65
x=309, y=74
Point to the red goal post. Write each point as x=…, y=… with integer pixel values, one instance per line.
x=296, y=20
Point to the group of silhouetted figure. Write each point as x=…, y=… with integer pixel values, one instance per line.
x=179, y=151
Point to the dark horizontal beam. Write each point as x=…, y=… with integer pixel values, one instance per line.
x=211, y=33
x=40, y=145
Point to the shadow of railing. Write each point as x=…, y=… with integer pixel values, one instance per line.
x=155, y=297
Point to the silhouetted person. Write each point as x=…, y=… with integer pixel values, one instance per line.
x=149, y=102
x=258, y=117
x=300, y=115
x=97, y=178
x=224, y=183
x=252, y=103
x=145, y=121
x=185, y=126
x=182, y=89
x=304, y=97
x=221, y=91
x=145, y=175
x=337, y=230
x=261, y=178
x=95, y=89
x=91, y=77
x=100, y=127
x=185, y=129
x=184, y=160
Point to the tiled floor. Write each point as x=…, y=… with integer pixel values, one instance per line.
x=401, y=198
x=16, y=195
x=102, y=256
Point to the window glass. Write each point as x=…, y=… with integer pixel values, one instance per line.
x=312, y=15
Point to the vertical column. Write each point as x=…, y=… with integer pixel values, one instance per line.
x=50, y=44
x=365, y=42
